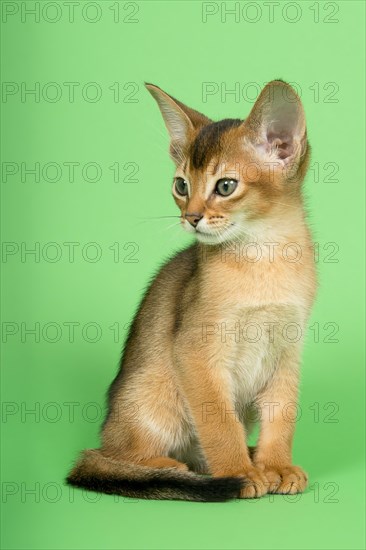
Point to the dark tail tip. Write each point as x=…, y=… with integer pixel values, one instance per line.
x=94, y=472
x=162, y=487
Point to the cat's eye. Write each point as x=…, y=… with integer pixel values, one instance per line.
x=181, y=186
x=225, y=187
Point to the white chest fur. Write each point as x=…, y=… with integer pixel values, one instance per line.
x=252, y=343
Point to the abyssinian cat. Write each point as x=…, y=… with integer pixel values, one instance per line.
x=216, y=343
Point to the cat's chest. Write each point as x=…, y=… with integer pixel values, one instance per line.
x=250, y=341
x=257, y=284
x=248, y=375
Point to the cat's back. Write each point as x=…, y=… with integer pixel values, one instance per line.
x=147, y=350
x=161, y=307
x=173, y=276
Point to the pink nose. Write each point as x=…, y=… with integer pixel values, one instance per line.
x=193, y=218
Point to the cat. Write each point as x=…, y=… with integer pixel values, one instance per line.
x=216, y=343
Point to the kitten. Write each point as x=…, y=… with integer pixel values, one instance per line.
x=217, y=340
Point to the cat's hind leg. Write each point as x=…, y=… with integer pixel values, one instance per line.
x=163, y=462
x=148, y=421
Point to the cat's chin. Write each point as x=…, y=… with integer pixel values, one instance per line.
x=210, y=239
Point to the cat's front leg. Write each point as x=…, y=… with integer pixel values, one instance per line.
x=278, y=408
x=221, y=434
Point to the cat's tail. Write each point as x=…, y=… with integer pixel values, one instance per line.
x=95, y=472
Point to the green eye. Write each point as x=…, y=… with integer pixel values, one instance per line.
x=181, y=186
x=225, y=187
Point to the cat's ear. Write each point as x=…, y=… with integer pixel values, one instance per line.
x=276, y=125
x=181, y=121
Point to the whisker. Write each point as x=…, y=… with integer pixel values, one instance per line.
x=158, y=218
x=170, y=226
x=283, y=204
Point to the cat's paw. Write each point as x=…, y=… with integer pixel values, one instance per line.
x=284, y=480
x=256, y=484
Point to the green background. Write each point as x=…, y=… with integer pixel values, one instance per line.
x=171, y=46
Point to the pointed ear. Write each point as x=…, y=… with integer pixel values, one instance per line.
x=181, y=121
x=276, y=125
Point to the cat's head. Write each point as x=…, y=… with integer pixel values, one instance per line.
x=231, y=174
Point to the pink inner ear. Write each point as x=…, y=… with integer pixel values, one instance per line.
x=282, y=142
x=284, y=148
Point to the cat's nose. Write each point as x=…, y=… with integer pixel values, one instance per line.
x=193, y=218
